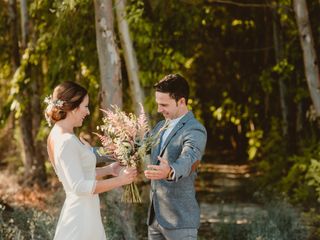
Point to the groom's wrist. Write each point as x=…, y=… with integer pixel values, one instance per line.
x=171, y=174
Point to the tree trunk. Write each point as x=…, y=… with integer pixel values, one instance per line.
x=25, y=123
x=129, y=55
x=278, y=43
x=39, y=146
x=309, y=53
x=111, y=94
x=14, y=33
x=300, y=117
x=109, y=60
x=33, y=162
x=24, y=23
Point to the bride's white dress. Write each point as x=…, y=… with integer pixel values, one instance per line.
x=80, y=217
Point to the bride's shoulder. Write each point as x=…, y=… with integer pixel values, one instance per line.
x=68, y=137
x=66, y=144
x=62, y=139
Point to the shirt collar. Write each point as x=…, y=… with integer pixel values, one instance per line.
x=173, y=122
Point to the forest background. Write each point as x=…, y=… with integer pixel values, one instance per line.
x=252, y=66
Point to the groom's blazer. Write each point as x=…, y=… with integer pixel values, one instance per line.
x=173, y=203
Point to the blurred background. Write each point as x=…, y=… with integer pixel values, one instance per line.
x=253, y=70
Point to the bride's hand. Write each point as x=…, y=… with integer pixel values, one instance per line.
x=115, y=168
x=128, y=175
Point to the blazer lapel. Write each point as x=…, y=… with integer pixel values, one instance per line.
x=179, y=125
x=156, y=150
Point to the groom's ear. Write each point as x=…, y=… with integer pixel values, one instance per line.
x=182, y=101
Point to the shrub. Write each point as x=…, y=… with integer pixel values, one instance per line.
x=21, y=223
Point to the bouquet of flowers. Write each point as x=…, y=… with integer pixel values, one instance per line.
x=124, y=137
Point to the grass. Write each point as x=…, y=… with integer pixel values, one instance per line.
x=279, y=221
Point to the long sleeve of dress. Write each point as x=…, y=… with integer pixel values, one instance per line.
x=72, y=169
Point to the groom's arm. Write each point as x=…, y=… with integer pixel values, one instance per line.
x=192, y=151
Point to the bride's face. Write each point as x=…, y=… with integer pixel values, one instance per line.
x=81, y=112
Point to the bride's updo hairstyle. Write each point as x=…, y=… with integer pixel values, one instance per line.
x=66, y=97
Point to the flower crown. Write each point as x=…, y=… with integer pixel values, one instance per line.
x=54, y=103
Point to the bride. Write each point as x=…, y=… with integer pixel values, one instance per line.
x=75, y=166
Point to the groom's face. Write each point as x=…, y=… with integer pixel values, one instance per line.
x=167, y=106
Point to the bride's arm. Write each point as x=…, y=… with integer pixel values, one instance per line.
x=112, y=169
x=125, y=177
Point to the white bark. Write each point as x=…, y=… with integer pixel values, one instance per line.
x=111, y=94
x=109, y=60
x=129, y=55
x=309, y=53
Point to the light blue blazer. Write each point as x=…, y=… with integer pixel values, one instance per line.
x=174, y=202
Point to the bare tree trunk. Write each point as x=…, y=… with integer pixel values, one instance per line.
x=309, y=53
x=24, y=23
x=14, y=33
x=109, y=60
x=278, y=43
x=129, y=55
x=268, y=41
x=300, y=116
x=24, y=122
x=39, y=146
x=33, y=161
x=111, y=94
x=26, y=119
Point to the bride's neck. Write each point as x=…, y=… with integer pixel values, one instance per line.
x=64, y=126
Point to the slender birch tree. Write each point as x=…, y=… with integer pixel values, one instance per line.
x=129, y=55
x=111, y=94
x=309, y=54
x=109, y=60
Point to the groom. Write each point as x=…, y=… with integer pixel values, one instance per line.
x=174, y=212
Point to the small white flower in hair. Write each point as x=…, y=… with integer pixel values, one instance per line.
x=55, y=103
x=52, y=103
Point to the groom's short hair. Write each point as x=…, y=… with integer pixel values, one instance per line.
x=174, y=84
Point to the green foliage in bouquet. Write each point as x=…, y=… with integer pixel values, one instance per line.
x=126, y=138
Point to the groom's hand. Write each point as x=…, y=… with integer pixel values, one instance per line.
x=157, y=172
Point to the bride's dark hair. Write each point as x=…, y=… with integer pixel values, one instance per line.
x=66, y=97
